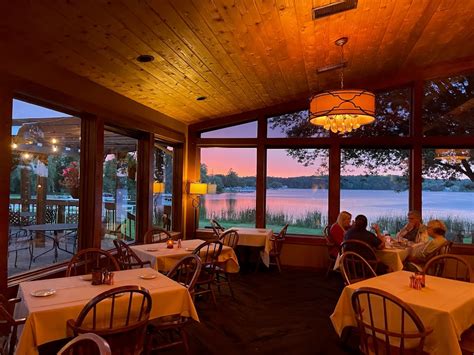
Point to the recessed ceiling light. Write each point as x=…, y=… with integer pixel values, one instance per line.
x=201, y=98
x=145, y=58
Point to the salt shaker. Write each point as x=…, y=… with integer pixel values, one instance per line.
x=179, y=243
x=412, y=281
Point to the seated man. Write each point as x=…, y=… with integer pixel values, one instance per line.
x=414, y=230
x=422, y=253
x=359, y=232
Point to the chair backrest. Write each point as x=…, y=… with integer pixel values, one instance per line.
x=387, y=325
x=186, y=271
x=9, y=325
x=119, y=315
x=445, y=248
x=87, y=343
x=217, y=228
x=361, y=248
x=209, y=253
x=230, y=238
x=126, y=257
x=450, y=267
x=355, y=268
x=157, y=235
x=277, y=241
x=87, y=259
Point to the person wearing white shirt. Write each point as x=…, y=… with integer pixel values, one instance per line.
x=414, y=231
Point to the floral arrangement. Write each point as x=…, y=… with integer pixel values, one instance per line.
x=71, y=176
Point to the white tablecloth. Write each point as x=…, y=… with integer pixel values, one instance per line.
x=256, y=237
x=47, y=316
x=446, y=306
x=163, y=259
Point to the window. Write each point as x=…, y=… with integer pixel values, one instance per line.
x=293, y=125
x=297, y=190
x=448, y=191
x=119, y=195
x=162, y=185
x=44, y=187
x=246, y=130
x=374, y=182
x=392, y=115
x=447, y=106
x=233, y=172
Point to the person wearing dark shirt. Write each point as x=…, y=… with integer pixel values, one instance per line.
x=359, y=232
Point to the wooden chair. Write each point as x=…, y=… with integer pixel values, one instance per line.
x=450, y=267
x=8, y=325
x=86, y=344
x=363, y=249
x=87, y=259
x=377, y=312
x=277, y=244
x=467, y=341
x=119, y=315
x=169, y=331
x=331, y=245
x=217, y=228
x=355, y=268
x=157, y=235
x=209, y=253
x=229, y=238
x=127, y=258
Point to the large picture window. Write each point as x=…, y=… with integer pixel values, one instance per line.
x=448, y=191
x=233, y=172
x=374, y=182
x=44, y=187
x=297, y=190
x=119, y=196
x=162, y=185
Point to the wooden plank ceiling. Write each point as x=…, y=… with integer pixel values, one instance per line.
x=242, y=55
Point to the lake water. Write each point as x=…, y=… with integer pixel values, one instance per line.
x=373, y=203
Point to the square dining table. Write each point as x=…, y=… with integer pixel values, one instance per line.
x=163, y=259
x=47, y=316
x=444, y=305
x=256, y=237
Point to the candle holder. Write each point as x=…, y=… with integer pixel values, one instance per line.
x=169, y=243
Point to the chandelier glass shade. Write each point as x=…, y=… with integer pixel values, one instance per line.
x=452, y=155
x=342, y=111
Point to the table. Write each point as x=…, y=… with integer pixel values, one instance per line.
x=256, y=237
x=163, y=259
x=55, y=228
x=47, y=316
x=446, y=306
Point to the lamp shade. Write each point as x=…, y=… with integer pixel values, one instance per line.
x=211, y=189
x=158, y=187
x=197, y=188
x=342, y=110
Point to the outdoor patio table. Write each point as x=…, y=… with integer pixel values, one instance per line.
x=163, y=259
x=446, y=306
x=55, y=228
x=47, y=316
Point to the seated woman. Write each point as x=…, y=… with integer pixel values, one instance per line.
x=414, y=230
x=422, y=253
x=337, y=230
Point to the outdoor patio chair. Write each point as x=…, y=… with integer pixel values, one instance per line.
x=120, y=316
x=127, y=258
x=87, y=343
x=229, y=238
x=376, y=312
x=87, y=259
x=18, y=240
x=157, y=235
x=209, y=253
x=449, y=266
x=169, y=331
x=355, y=268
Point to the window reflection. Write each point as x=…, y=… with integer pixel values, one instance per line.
x=163, y=186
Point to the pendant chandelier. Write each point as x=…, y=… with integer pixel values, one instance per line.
x=343, y=110
x=452, y=155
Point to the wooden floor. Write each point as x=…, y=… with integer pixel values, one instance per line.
x=273, y=313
